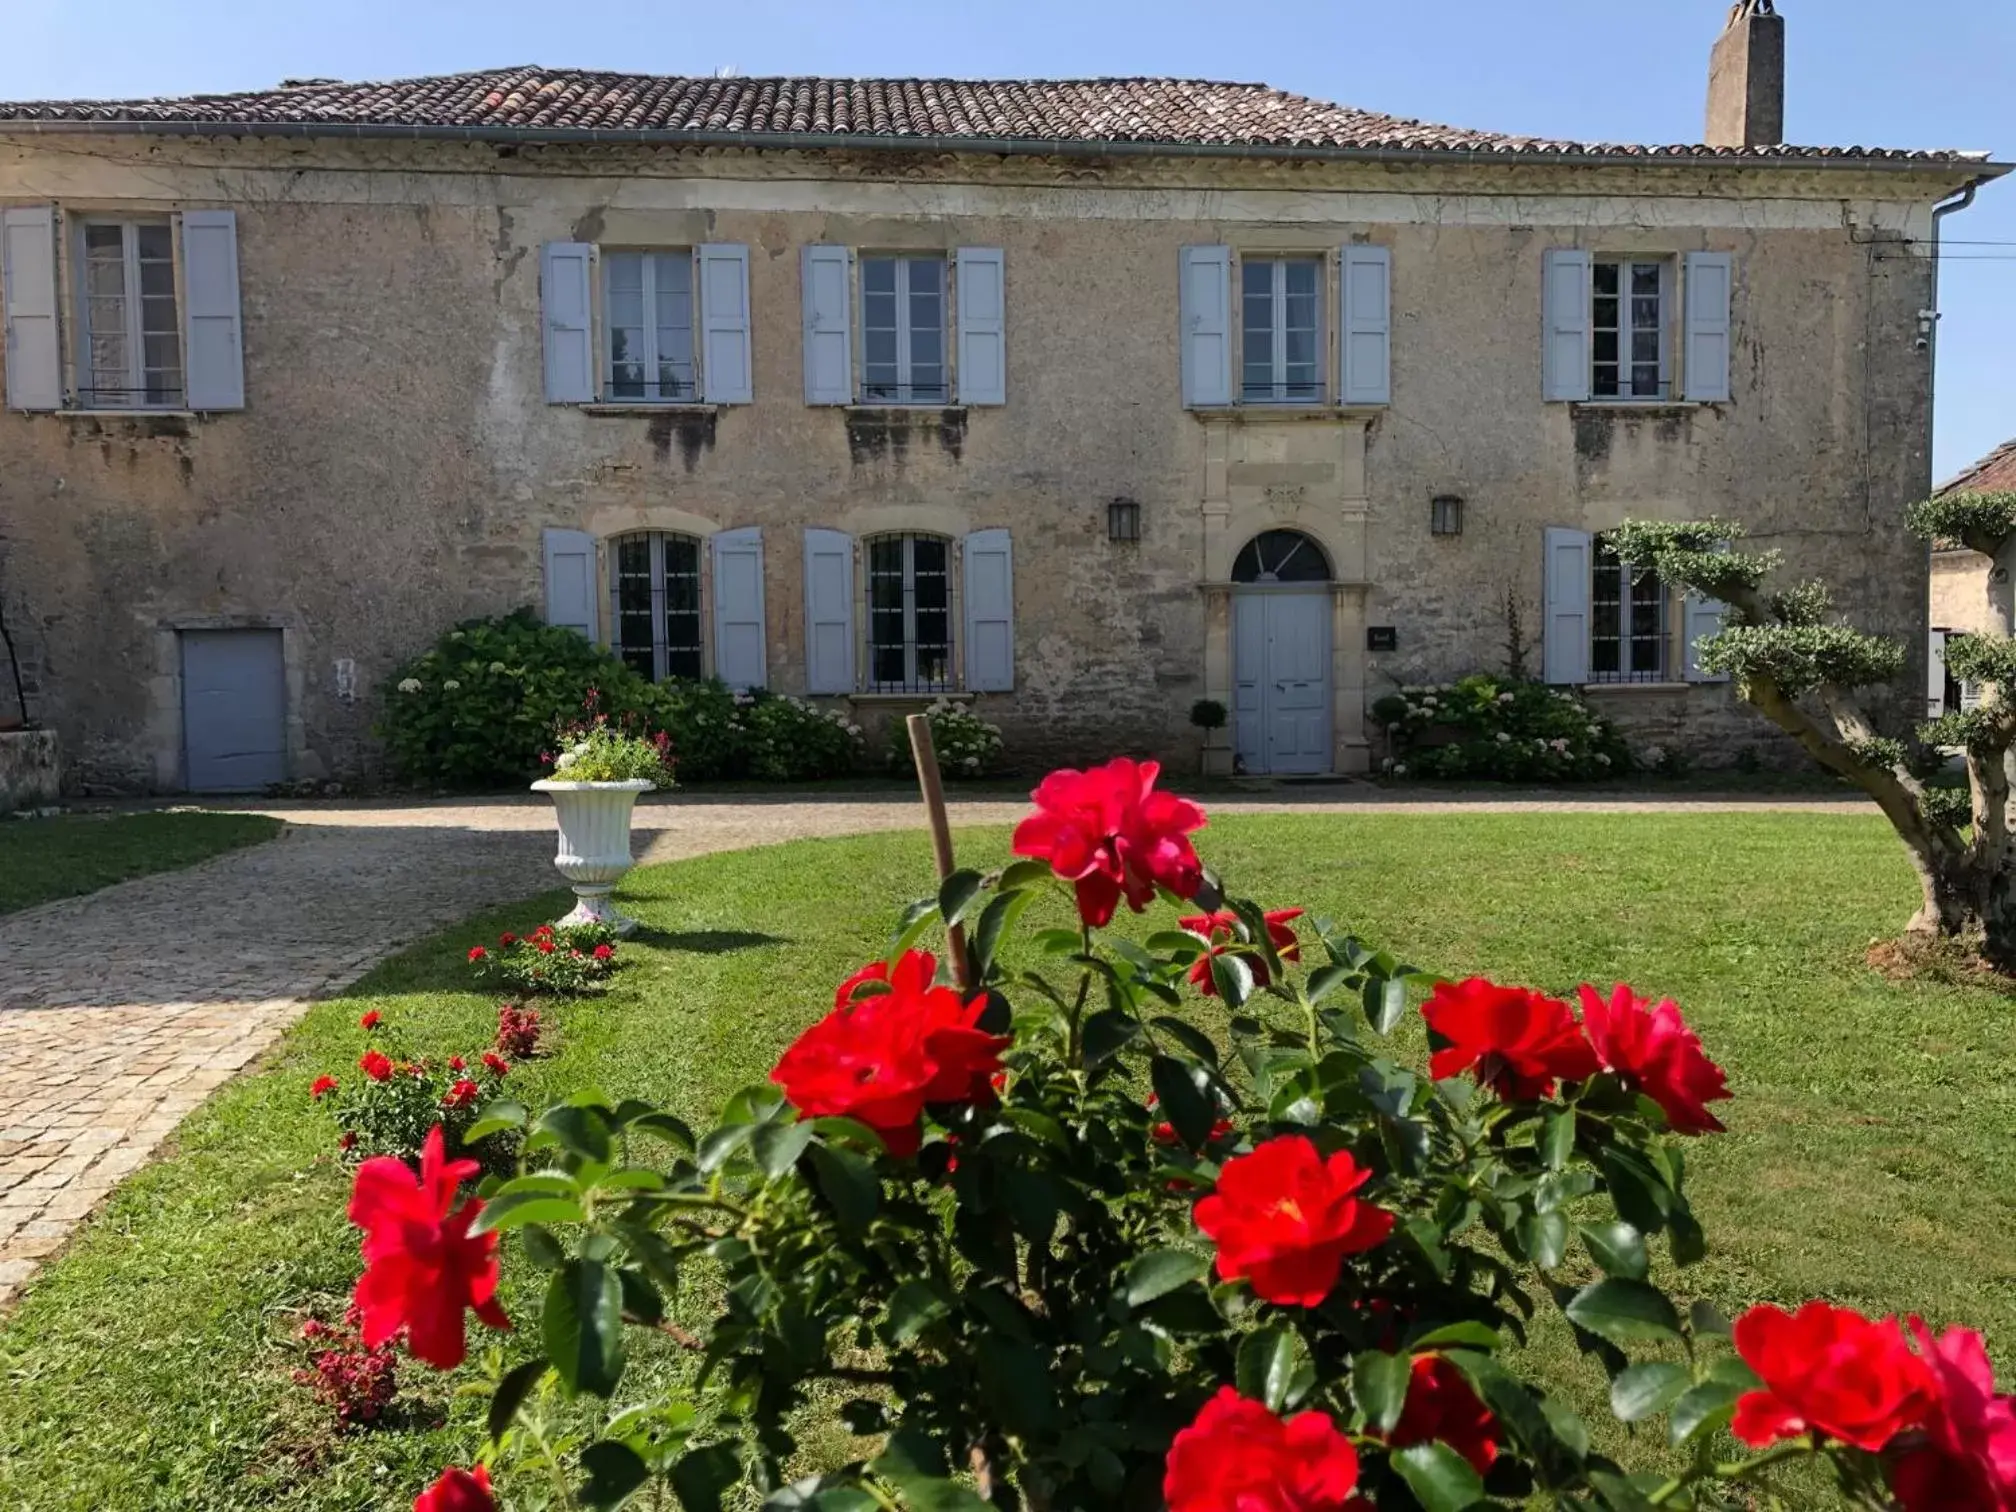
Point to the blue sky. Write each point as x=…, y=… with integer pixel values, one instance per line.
x=1925, y=73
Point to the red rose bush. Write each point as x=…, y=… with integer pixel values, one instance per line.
x=388, y=1101
x=1052, y=1245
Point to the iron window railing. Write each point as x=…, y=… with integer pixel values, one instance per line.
x=655, y=590
x=909, y=614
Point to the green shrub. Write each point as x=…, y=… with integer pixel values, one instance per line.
x=790, y=740
x=967, y=745
x=479, y=707
x=706, y=722
x=1497, y=730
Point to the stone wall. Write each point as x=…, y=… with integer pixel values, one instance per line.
x=396, y=462
x=31, y=770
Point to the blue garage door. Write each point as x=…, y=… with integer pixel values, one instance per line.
x=234, y=710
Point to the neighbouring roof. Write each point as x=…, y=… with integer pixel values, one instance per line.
x=1994, y=473
x=566, y=103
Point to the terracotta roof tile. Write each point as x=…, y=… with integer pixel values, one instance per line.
x=1994, y=473
x=1175, y=112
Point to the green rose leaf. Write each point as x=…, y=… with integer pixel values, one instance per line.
x=778, y=1146
x=1182, y=1101
x=1160, y=1272
x=511, y=1393
x=1385, y=1003
x=614, y=1471
x=847, y=1182
x=1266, y=1366
x=583, y=1327
x=1440, y=1478
x=1379, y=1387
x=913, y=1307
x=1646, y=1390
x=508, y=1210
x=956, y=895
x=1702, y=1409
x=582, y=1131
x=1625, y=1312
x=1618, y=1248
x=704, y=1477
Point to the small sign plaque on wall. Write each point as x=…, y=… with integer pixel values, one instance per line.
x=1382, y=638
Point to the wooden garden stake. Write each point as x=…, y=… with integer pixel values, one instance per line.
x=925, y=753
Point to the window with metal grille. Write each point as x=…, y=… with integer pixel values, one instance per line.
x=655, y=591
x=1281, y=325
x=903, y=331
x=1627, y=624
x=1628, y=326
x=647, y=303
x=909, y=613
x=130, y=348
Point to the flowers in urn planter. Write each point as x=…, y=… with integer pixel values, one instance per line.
x=1112, y=834
x=1284, y=1218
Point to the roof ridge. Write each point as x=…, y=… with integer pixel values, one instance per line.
x=2001, y=458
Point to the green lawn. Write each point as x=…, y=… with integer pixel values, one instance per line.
x=45, y=859
x=1868, y=1161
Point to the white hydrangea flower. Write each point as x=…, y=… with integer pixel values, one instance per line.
x=1506, y=698
x=567, y=759
x=1601, y=759
x=972, y=761
x=1387, y=765
x=1400, y=770
x=854, y=729
x=409, y=685
x=1653, y=755
x=1503, y=738
x=457, y=635
x=1428, y=702
x=496, y=666
x=451, y=686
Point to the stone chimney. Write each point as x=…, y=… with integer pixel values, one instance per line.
x=1746, y=78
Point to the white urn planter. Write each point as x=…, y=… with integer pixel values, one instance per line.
x=594, y=843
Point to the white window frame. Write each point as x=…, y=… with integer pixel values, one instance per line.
x=1627, y=585
x=651, y=258
x=661, y=643
x=1321, y=263
x=947, y=328
x=134, y=393
x=911, y=682
x=1667, y=387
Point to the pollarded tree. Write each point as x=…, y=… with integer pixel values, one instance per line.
x=1800, y=667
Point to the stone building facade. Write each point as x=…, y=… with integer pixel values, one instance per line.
x=1970, y=593
x=1270, y=402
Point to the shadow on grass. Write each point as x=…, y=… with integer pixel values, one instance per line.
x=708, y=941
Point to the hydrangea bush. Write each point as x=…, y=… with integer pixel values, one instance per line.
x=790, y=740
x=1498, y=730
x=967, y=745
x=1057, y=1247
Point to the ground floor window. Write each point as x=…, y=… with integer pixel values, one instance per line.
x=909, y=613
x=656, y=599
x=1627, y=624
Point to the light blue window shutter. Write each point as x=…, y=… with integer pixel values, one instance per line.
x=827, y=273
x=1565, y=621
x=1935, y=676
x=1566, y=314
x=570, y=580
x=740, y=652
x=1711, y=284
x=566, y=272
x=1366, y=325
x=28, y=287
x=1700, y=618
x=990, y=612
x=983, y=351
x=1206, y=314
x=829, y=611
x=212, y=331
x=724, y=324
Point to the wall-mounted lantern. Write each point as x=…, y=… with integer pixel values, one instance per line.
x=1123, y=520
x=1445, y=515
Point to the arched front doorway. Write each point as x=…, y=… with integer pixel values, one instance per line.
x=1281, y=630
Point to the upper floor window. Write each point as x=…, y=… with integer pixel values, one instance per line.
x=647, y=306
x=655, y=603
x=909, y=613
x=1281, y=330
x=129, y=338
x=1631, y=349
x=1644, y=327
x=889, y=328
x=903, y=331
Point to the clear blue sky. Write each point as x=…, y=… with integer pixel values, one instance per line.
x=1893, y=73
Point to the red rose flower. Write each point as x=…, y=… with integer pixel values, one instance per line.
x=461, y=1094
x=422, y=1266
x=1518, y=1041
x=458, y=1491
x=322, y=1084
x=371, y=1020
x=456, y=1063
x=604, y=952
x=507, y=940
x=545, y=945
x=1284, y=1218
x=1111, y=833
x=495, y=1063
x=1829, y=1370
x=347, y=1140
x=1655, y=1052
x=881, y=1059
x=1442, y=1407
x=1239, y=1457
x=376, y=1065
x=1220, y=929
x=1969, y=1456
x=478, y=953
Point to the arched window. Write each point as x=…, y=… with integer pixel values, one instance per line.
x=655, y=593
x=909, y=613
x=1281, y=556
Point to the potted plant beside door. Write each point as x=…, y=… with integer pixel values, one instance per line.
x=1209, y=715
x=596, y=772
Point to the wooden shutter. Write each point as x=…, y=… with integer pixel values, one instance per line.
x=741, y=657
x=981, y=290
x=990, y=612
x=28, y=283
x=827, y=273
x=1565, y=622
x=1711, y=283
x=1206, y=314
x=570, y=580
x=1365, y=323
x=829, y=611
x=1700, y=618
x=1566, y=315
x=724, y=324
x=1935, y=675
x=566, y=277
x=212, y=332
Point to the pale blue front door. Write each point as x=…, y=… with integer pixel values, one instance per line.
x=234, y=710
x=1281, y=674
